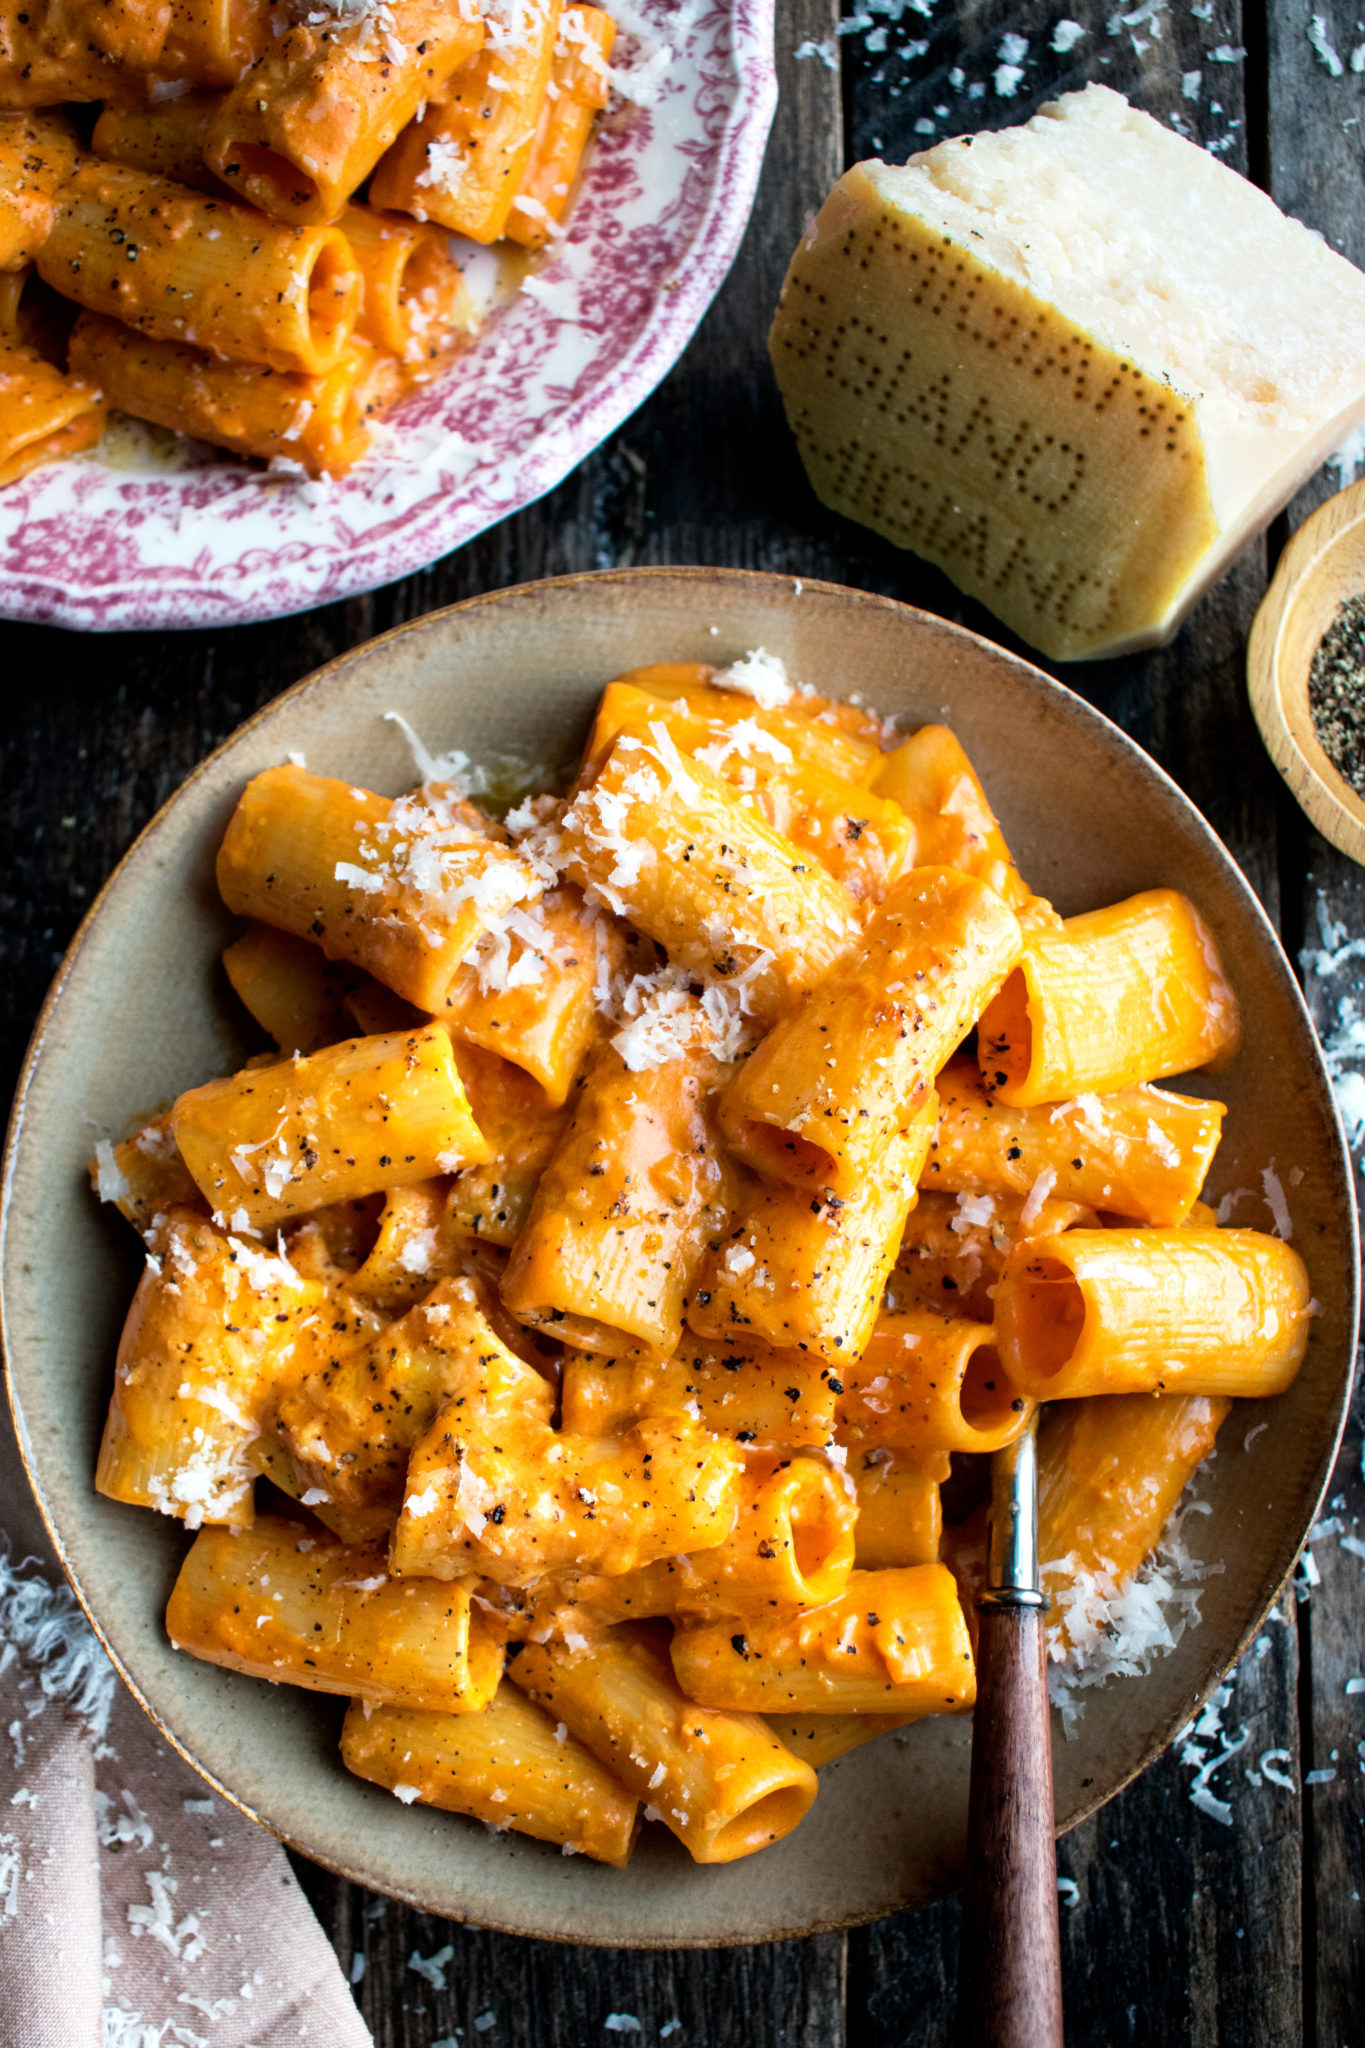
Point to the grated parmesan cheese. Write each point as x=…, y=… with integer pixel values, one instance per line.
x=759, y=675
x=111, y=1182
x=1100, y=1627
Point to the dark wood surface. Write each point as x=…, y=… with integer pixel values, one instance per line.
x=1175, y=1927
x=1009, y=1969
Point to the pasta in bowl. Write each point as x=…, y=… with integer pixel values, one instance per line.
x=617, y=1387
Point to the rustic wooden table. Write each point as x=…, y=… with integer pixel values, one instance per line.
x=1178, y=1926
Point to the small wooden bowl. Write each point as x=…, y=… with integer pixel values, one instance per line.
x=1323, y=565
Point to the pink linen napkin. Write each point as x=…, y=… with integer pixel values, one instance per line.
x=137, y=1910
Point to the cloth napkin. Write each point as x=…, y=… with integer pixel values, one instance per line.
x=136, y=1909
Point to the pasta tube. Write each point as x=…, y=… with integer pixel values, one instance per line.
x=742, y=1390
x=34, y=317
x=319, y=422
x=350, y=1425
x=288, y=986
x=930, y=1383
x=507, y=1767
x=866, y=842
x=372, y=1525
x=671, y=847
x=44, y=416
x=819, y=1738
x=414, y=301
x=791, y=1546
x=465, y=160
x=181, y=266
x=279, y=1602
x=213, y=1322
x=132, y=32
x=579, y=89
x=838, y=738
x=900, y=1515
x=801, y=1271
x=820, y=1100
x=1141, y=1152
x=213, y=42
x=521, y=1129
x=165, y=139
x=529, y=993
x=722, y=1783
x=512, y=1503
x=894, y=1641
x=418, y=1244
x=403, y=889
x=319, y=107
x=953, y=1248
x=145, y=1176
x=1154, y=1312
x=46, y=58
x=37, y=156
x=625, y=1208
x=1126, y=994
x=935, y=784
x=370, y=1113
x=1110, y=1471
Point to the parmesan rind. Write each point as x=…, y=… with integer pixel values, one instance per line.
x=1077, y=364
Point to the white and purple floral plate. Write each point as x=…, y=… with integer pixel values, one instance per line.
x=122, y=538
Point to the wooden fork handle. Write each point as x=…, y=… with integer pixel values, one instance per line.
x=1010, y=1993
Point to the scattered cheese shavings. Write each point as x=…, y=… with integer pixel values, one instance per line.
x=1317, y=36
x=1275, y=1201
x=407, y=1793
x=111, y=1182
x=1066, y=35
x=759, y=675
x=43, y=1625
x=1009, y=72
x=182, y=1938
x=11, y=1876
x=1117, y=1628
x=621, y=2023
x=1037, y=1195
x=114, y=1829
x=432, y=1967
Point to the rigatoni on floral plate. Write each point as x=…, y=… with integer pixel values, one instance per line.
x=259, y=230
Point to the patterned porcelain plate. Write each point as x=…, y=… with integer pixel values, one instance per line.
x=133, y=536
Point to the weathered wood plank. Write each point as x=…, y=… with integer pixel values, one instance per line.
x=1321, y=184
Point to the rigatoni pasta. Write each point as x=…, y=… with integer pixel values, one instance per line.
x=623, y=1260
x=219, y=210
x=1130, y=993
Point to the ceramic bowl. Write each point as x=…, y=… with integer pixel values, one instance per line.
x=140, y=1011
x=133, y=535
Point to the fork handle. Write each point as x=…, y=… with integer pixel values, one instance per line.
x=1010, y=1989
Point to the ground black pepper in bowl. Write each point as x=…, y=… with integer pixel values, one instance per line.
x=1336, y=692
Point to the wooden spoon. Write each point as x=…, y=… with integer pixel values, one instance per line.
x=1010, y=1981
x=1323, y=565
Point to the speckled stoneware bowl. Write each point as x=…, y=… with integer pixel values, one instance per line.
x=140, y=1011
x=119, y=538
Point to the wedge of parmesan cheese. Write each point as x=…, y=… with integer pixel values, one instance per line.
x=1078, y=364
